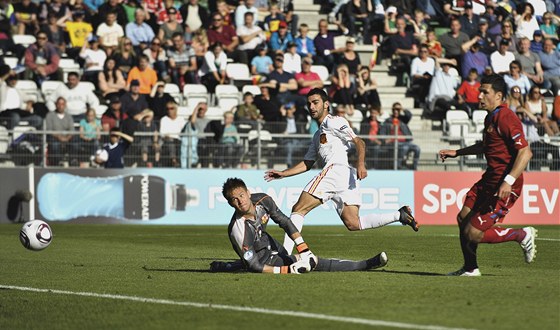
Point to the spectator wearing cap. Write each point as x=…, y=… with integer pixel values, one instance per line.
x=78, y=30
x=262, y=63
x=530, y=62
x=109, y=33
x=501, y=58
x=251, y=35
x=279, y=40
x=324, y=44
x=488, y=46
x=132, y=101
x=292, y=60
x=283, y=85
x=113, y=116
x=248, y=6
x=144, y=74
x=526, y=22
x=469, y=20
x=474, y=59
x=306, y=79
x=537, y=42
x=78, y=97
x=390, y=22
x=41, y=60
x=305, y=47
x=139, y=32
x=227, y=37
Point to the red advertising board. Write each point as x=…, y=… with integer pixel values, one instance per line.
x=440, y=195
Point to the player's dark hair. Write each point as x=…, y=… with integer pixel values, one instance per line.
x=320, y=92
x=497, y=82
x=230, y=185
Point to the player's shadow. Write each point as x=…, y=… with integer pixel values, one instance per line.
x=412, y=273
x=188, y=258
x=183, y=270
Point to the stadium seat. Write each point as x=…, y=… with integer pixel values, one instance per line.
x=253, y=89
x=11, y=61
x=29, y=90
x=268, y=147
x=215, y=113
x=19, y=130
x=458, y=124
x=4, y=139
x=355, y=120
x=184, y=111
x=49, y=86
x=23, y=39
x=174, y=91
x=238, y=71
x=227, y=96
x=68, y=65
x=323, y=73
x=195, y=93
x=478, y=120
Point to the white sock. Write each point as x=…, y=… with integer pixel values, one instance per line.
x=376, y=220
x=297, y=220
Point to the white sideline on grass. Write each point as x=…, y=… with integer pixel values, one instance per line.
x=342, y=319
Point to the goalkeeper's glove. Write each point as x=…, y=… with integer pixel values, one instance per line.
x=300, y=267
x=305, y=253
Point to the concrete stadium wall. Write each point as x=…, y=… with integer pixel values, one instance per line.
x=98, y=195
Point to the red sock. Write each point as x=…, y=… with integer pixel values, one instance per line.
x=500, y=235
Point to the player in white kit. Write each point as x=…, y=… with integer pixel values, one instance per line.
x=338, y=181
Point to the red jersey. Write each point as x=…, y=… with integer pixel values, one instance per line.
x=225, y=37
x=469, y=91
x=502, y=138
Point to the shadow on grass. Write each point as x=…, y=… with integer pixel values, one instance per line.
x=185, y=270
x=411, y=273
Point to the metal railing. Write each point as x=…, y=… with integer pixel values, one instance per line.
x=256, y=148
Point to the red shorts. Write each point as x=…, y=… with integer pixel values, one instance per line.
x=488, y=209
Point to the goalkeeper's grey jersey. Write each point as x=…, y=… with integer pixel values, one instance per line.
x=249, y=237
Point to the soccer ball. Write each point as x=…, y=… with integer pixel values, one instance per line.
x=102, y=155
x=35, y=235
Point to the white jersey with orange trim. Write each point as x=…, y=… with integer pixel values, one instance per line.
x=331, y=142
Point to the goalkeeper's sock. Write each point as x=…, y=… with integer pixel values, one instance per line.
x=376, y=220
x=297, y=220
x=336, y=265
x=500, y=235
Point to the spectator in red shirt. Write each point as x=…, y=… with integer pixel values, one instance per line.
x=468, y=91
x=306, y=79
x=225, y=34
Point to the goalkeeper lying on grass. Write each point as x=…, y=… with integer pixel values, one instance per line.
x=260, y=252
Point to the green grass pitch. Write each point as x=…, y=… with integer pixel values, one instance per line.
x=155, y=277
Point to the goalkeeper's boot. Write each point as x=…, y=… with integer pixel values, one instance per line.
x=528, y=244
x=378, y=261
x=463, y=272
x=407, y=219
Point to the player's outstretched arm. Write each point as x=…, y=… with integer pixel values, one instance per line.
x=475, y=149
x=300, y=167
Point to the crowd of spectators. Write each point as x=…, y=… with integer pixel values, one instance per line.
x=130, y=49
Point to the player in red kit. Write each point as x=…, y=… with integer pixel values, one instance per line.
x=489, y=200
